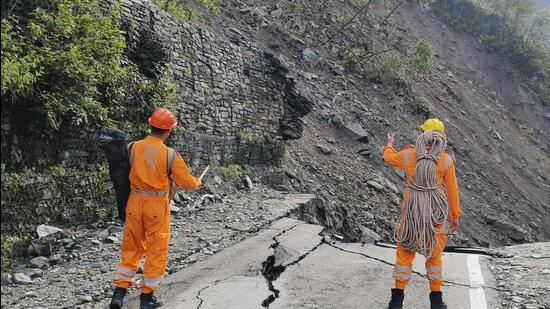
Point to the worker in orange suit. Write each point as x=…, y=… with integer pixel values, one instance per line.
x=431, y=195
x=147, y=227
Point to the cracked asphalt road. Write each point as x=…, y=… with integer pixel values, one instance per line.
x=290, y=265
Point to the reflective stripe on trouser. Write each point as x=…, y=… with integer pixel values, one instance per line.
x=153, y=283
x=124, y=274
x=404, y=262
x=146, y=233
x=433, y=272
x=402, y=272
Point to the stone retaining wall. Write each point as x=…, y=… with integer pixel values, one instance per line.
x=61, y=197
x=225, y=88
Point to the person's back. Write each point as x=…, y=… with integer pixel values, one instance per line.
x=431, y=194
x=149, y=165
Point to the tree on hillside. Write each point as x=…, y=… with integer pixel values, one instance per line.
x=64, y=71
x=422, y=57
x=513, y=28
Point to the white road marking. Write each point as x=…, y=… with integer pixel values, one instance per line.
x=477, y=295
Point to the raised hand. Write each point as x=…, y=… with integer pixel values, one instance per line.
x=391, y=138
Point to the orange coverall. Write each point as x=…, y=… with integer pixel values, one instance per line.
x=147, y=228
x=406, y=161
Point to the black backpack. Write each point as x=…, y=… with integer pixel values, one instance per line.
x=117, y=150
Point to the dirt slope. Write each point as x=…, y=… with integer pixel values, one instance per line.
x=470, y=59
x=503, y=169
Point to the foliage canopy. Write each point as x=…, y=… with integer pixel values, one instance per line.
x=64, y=71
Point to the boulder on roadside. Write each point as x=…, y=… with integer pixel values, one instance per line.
x=174, y=208
x=6, y=278
x=21, y=278
x=368, y=235
x=395, y=199
x=41, y=262
x=391, y=186
x=38, y=249
x=357, y=130
x=46, y=230
x=249, y=183
x=33, y=272
x=86, y=299
x=111, y=240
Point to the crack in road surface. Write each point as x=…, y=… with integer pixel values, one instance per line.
x=198, y=296
x=303, y=256
x=414, y=272
x=271, y=272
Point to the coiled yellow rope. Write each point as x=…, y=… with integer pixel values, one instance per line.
x=426, y=207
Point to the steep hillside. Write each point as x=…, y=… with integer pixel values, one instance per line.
x=503, y=164
x=492, y=73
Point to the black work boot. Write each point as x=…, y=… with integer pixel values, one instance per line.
x=118, y=297
x=148, y=301
x=436, y=301
x=396, y=301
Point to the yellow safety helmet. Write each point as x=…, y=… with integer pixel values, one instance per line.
x=433, y=124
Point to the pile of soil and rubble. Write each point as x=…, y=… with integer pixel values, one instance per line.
x=502, y=153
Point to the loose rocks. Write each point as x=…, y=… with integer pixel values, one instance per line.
x=20, y=278
x=40, y=262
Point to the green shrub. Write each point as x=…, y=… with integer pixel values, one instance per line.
x=13, y=247
x=355, y=59
x=257, y=150
x=422, y=57
x=130, y=113
x=64, y=71
x=389, y=69
x=58, y=170
x=421, y=106
x=184, y=10
x=234, y=170
x=70, y=54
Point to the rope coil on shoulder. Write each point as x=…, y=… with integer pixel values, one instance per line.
x=426, y=207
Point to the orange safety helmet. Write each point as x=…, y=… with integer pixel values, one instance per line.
x=163, y=119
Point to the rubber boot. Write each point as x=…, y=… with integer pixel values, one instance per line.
x=118, y=297
x=436, y=301
x=397, y=296
x=148, y=301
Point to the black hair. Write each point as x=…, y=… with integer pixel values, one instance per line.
x=157, y=131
